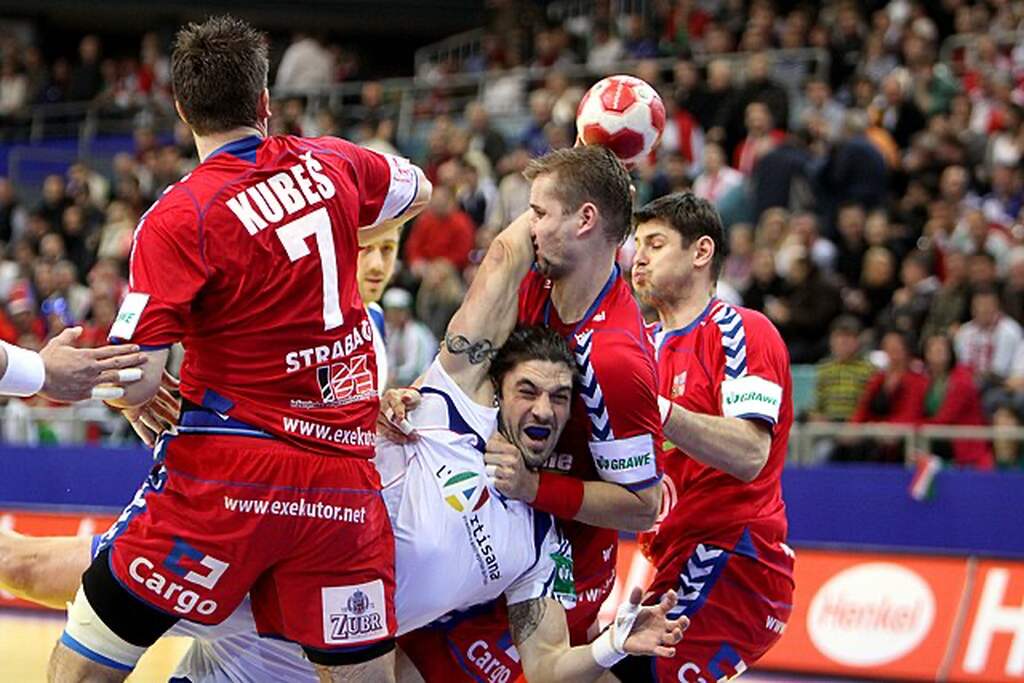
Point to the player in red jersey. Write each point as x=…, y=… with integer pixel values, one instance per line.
x=726, y=397
x=603, y=476
x=250, y=262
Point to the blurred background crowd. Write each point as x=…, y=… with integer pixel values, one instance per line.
x=865, y=158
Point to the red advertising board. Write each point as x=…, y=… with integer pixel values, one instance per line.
x=992, y=644
x=872, y=616
x=890, y=616
x=49, y=524
x=866, y=615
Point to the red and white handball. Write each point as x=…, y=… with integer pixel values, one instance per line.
x=624, y=114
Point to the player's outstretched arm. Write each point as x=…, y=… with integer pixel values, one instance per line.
x=43, y=569
x=603, y=503
x=62, y=372
x=541, y=635
x=488, y=313
x=734, y=445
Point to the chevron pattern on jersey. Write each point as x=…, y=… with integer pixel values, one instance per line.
x=698, y=576
x=734, y=340
x=590, y=390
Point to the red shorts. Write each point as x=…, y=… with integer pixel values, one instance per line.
x=469, y=648
x=738, y=608
x=477, y=646
x=307, y=535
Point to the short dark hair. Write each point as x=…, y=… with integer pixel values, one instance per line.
x=985, y=290
x=533, y=342
x=690, y=216
x=590, y=173
x=218, y=71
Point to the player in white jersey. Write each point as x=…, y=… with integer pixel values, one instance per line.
x=459, y=542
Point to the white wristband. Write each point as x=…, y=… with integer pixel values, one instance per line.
x=664, y=409
x=603, y=650
x=25, y=373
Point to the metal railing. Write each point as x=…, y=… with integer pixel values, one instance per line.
x=416, y=101
x=413, y=96
x=805, y=436
x=969, y=43
x=23, y=423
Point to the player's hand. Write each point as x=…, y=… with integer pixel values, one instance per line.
x=653, y=633
x=392, y=421
x=159, y=414
x=74, y=374
x=507, y=471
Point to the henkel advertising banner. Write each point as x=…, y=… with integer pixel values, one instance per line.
x=909, y=617
x=49, y=524
x=870, y=615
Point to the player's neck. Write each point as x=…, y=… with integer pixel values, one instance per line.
x=679, y=314
x=573, y=294
x=208, y=144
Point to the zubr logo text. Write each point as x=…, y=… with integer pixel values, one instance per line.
x=354, y=614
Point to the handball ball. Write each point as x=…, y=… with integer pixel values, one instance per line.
x=624, y=114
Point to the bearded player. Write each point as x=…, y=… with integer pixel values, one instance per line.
x=603, y=476
x=250, y=262
x=726, y=396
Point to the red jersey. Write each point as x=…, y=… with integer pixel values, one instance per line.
x=614, y=420
x=250, y=261
x=732, y=362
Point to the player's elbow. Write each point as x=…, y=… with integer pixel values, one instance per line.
x=647, y=509
x=751, y=467
x=424, y=192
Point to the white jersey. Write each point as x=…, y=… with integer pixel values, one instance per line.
x=458, y=542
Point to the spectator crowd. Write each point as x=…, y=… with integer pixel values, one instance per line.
x=865, y=158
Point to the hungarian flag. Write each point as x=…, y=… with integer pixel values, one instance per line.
x=922, y=484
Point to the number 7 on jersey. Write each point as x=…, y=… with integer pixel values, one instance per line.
x=293, y=236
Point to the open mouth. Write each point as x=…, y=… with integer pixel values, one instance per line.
x=536, y=436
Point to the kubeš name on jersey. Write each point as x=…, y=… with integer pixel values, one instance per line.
x=338, y=435
x=481, y=542
x=283, y=194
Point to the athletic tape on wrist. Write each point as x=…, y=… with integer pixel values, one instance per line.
x=603, y=651
x=25, y=373
x=558, y=494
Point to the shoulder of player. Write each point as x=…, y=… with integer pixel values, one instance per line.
x=176, y=210
x=333, y=148
x=731, y=325
x=615, y=352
